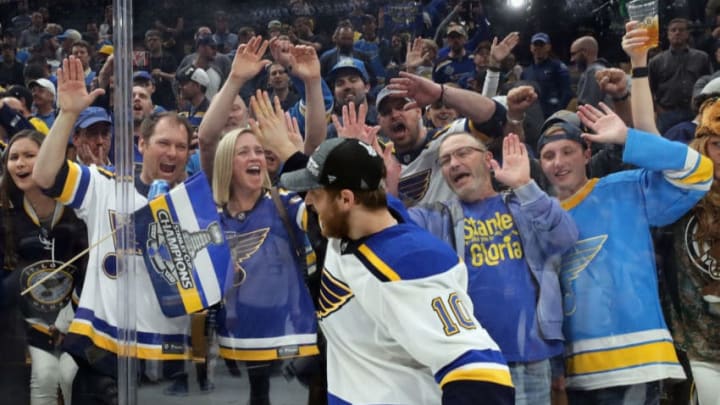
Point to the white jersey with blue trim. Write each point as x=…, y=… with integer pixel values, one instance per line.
x=91, y=192
x=421, y=180
x=614, y=325
x=398, y=322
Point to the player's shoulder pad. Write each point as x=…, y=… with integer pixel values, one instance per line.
x=405, y=252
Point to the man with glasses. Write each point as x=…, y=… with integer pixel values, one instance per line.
x=400, y=118
x=511, y=244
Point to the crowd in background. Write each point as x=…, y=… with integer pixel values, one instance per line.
x=413, y=75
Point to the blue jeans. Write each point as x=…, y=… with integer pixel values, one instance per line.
x=532, y=382
x=638, y=394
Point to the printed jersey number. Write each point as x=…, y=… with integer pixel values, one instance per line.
x=455, y=318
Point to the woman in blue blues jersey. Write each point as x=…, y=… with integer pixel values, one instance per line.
x=37, y=235
x=268, y=314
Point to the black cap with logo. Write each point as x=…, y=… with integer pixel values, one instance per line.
x=339, y=163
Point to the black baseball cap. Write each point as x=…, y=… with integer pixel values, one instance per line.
x=339, y=163
x=560, y=130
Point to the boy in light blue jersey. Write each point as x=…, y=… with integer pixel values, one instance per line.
x=618, y=346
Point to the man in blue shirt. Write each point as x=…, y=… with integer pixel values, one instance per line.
x=511, y=244
x=459, y=63
x=551, y=75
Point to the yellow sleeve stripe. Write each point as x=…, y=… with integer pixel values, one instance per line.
x=71, y=182
x=613, y=359
x=702, y=173
x=497, y=376
x=378, y=265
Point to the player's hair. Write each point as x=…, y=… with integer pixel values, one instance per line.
x=223, y=166
x=707, y=210
x=370, y=199
x=10, y=194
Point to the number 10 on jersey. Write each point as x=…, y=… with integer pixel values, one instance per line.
x=456, y=317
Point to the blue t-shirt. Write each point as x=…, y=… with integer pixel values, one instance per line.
x=500, y=283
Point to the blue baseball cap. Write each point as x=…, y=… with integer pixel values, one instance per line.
x=92, y=115
x=541, y=37
x=142, y=75
x=345, y=64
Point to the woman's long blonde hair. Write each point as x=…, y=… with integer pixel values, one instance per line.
x=223, y=166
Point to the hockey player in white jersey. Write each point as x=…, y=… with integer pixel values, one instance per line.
x=399, y=325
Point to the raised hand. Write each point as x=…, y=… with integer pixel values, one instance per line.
x=280, y=51
x=414, y=56
x=248, y=61
x=73, y=96
x=519, y=99
x=270, y=126
x=307, y=64
x=633, y=42
x=353, y=122
x=500, y=51
x=612, y=81
x=418, y=88
x=608, y=126
x=515, y=170
x=392, y=167
x=291, y=123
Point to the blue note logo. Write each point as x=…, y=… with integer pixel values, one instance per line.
x=574, y=263
x=242, y=247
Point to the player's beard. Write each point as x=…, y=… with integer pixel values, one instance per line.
x=335, y=224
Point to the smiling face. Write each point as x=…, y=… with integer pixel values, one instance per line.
x=349, y=86
x=20, y=163
x=441, y=115
x=563, y=162
x=249, y=166
x=465, y=165
x=165, y=152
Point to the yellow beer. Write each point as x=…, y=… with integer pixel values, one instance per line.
x=652, y=25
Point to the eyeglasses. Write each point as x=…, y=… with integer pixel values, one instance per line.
x=459, y=153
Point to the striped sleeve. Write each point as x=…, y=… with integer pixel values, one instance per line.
x=71, y=184
x=696, y=174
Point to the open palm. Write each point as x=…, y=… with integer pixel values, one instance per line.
x=72, y=91
x=307, y=64
x=249, y=60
